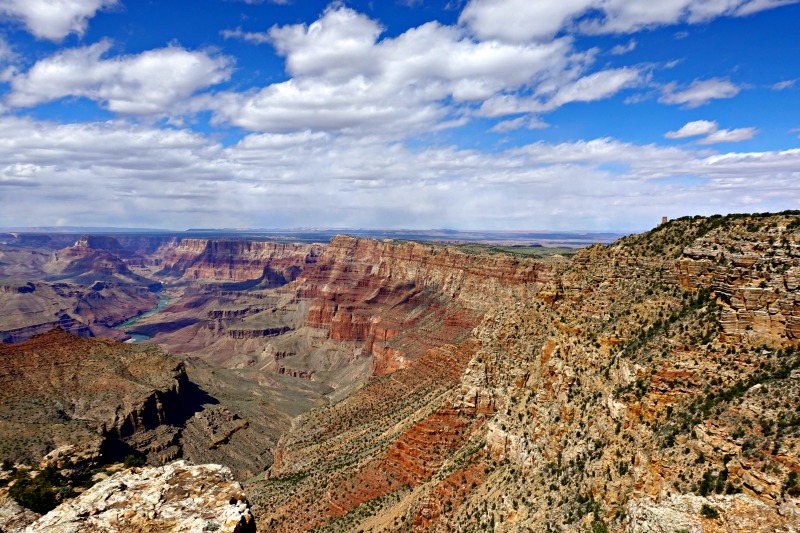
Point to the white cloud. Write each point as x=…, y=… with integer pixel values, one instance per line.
x=142, y=176
x=693, y=129
x=341, y=44
x=754, y=6
x=249, y=36
x=596, y=86
x=529, y=122
x=590, y=88
x=699, y=92
x=711, y=132
x=7, y=53
x=523, y=20
x=621, y=49
x=148, y=83
x=520, y=20
x=729, y=136
x=783, y=85
x=54, y=19
x=345, y=78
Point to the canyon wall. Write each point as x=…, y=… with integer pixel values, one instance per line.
x=619, y=396
x=30, y=308
x=403, y=298
x=235, y=260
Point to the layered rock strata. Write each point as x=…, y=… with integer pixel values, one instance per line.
x=236, y=260
x=616, y=388
x=403, y=298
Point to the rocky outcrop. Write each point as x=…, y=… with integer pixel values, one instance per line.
x=755, y=276
x=613, y=390
x=14, y=517
x=135, y=399
x=719, y=513
x=178, y=497
x=241, y=334
x=274, y=264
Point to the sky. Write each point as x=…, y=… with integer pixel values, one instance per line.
x=586, y=115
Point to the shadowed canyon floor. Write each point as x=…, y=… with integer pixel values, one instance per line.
x=649, y=385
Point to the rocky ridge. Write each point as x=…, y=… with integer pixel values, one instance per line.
x=57, y=389
x=178, y=497
x=618, y=386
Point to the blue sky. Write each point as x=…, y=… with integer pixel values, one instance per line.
x=471, y=114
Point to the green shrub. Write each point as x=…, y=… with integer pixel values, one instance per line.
x=40, y=493
x=709, y=512
x=133, y=460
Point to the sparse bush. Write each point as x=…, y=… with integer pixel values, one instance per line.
x=40, y=493
x=133, y=460
x=709, y=512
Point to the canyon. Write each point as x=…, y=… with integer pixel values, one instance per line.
x=651, y=384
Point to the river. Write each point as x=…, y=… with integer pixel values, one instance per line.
x=136, y=337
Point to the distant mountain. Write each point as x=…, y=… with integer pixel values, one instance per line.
x=81, y=229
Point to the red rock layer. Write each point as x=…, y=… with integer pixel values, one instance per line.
x=234, y=260
x=402, y=299
x=408, y=459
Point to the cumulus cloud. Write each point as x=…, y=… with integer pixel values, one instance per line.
x=139, y=175
x=53, y=19
x=693, y=129
x=148, y=83
x=711, y=132
x=522, y=20
x=345, y=78
x=698, y=93
x=621, y=49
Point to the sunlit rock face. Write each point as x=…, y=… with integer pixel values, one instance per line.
x=178, y=497
x=616, y=395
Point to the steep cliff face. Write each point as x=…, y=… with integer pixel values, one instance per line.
x=403, y=298
x=236, y=260
x=598, y=402
x=755, y=276
x=57, y=389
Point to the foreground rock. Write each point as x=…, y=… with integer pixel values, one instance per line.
x=176, y=497
x=13, y=516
